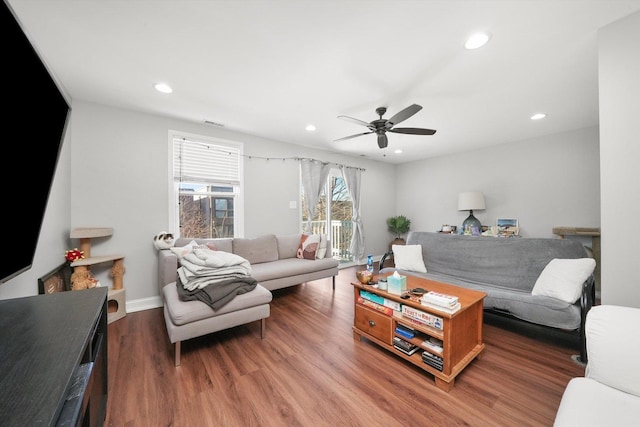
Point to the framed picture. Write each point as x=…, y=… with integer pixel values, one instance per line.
x=508, y=227
x=57, y=280
x=506, y=222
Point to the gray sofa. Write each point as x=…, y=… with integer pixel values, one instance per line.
x=273, y=260
x=506, y=269
x=273, y=264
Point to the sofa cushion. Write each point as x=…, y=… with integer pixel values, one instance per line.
x=613, y=350
x=308, y=246
x=291, y=267
x=409, y=258
x=257, y=250
x=563, y=278
x=586, y=402
x=183, y=312
x=288, y=245
x=510, y=263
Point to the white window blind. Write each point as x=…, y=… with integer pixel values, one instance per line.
x=197, y=161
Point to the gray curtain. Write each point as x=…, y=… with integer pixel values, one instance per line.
x=314, y=179
x=351, y=178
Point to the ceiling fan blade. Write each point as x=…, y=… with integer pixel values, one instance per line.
x=356, y=121
x=351, y=136
x=405, y=114
x=382, y=140
x=413, y=131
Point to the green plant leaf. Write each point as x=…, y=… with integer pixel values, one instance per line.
x=398, y=225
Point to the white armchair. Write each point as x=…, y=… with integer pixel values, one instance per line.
x=609, y=393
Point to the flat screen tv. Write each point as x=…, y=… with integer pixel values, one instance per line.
x=34, y=121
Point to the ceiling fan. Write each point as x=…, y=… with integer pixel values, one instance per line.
x=382, y=126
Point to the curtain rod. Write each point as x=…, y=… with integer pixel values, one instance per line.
x=209, y=145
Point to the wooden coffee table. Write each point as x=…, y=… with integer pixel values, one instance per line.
x=460, y=332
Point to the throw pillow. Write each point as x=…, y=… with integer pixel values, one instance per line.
x=322, y=249
x=408, y=257
x=308, y=246
x=563, y=278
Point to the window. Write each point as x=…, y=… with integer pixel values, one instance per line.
x=206, y=187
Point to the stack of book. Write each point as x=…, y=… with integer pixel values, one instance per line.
x=404, y=346
x=421, y=317
x=433, y=360
x=405, y=331
x=378, y=307
x=442, y=302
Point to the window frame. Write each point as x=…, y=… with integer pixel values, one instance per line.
x=173, y=185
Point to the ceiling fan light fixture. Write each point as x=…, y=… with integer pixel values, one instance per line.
x=477, y=40
x=381, y=126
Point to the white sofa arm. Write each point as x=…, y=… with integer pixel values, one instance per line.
x=613, y=347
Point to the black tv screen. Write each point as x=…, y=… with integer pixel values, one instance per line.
x=33, y=122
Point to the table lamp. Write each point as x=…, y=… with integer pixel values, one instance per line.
x=468, y=201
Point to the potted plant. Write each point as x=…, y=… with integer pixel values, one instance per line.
x=398, y=225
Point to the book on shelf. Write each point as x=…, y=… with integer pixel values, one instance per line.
x=374, y=305
x=404, y=334
x=372, y=297
x=448, y=309
x=380, y=300
x=407, y=352
x=437, y=298
x=405, y=328
x=405, y=346
x=433, y=360
x=433, y=344
x=422, y=317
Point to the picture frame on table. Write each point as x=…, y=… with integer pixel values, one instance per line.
x=57, y=280
x=508, y=227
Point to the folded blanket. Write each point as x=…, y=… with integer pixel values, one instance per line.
x=192, y=283
x=218, y=294
x=205, y=260
x=203, y=266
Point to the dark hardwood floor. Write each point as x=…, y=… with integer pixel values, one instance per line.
x=310, y=371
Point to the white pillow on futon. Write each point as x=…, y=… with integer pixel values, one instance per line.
x=563, y=278
x=408, y=257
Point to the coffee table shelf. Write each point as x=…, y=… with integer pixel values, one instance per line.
x=460, y=332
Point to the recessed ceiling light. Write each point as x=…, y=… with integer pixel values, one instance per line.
x=163, y=87
x=310, y=128
x=538, y=116
x=398, y=151
x=476, y=40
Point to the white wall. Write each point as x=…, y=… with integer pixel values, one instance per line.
x=544, y=183
x=619, y=82
x=120, y=176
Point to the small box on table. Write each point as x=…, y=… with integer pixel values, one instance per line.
x=396, y=285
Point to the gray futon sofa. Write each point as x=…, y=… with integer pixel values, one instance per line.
x=506, y=269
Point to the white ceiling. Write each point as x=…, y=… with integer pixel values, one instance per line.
x=269, y=68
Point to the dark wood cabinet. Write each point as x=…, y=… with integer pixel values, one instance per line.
x=53, y=359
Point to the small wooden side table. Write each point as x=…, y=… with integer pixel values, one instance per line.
x=594, y=232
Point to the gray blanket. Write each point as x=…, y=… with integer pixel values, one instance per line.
x=218, y=294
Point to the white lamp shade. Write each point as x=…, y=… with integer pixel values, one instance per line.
x=471, y=201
